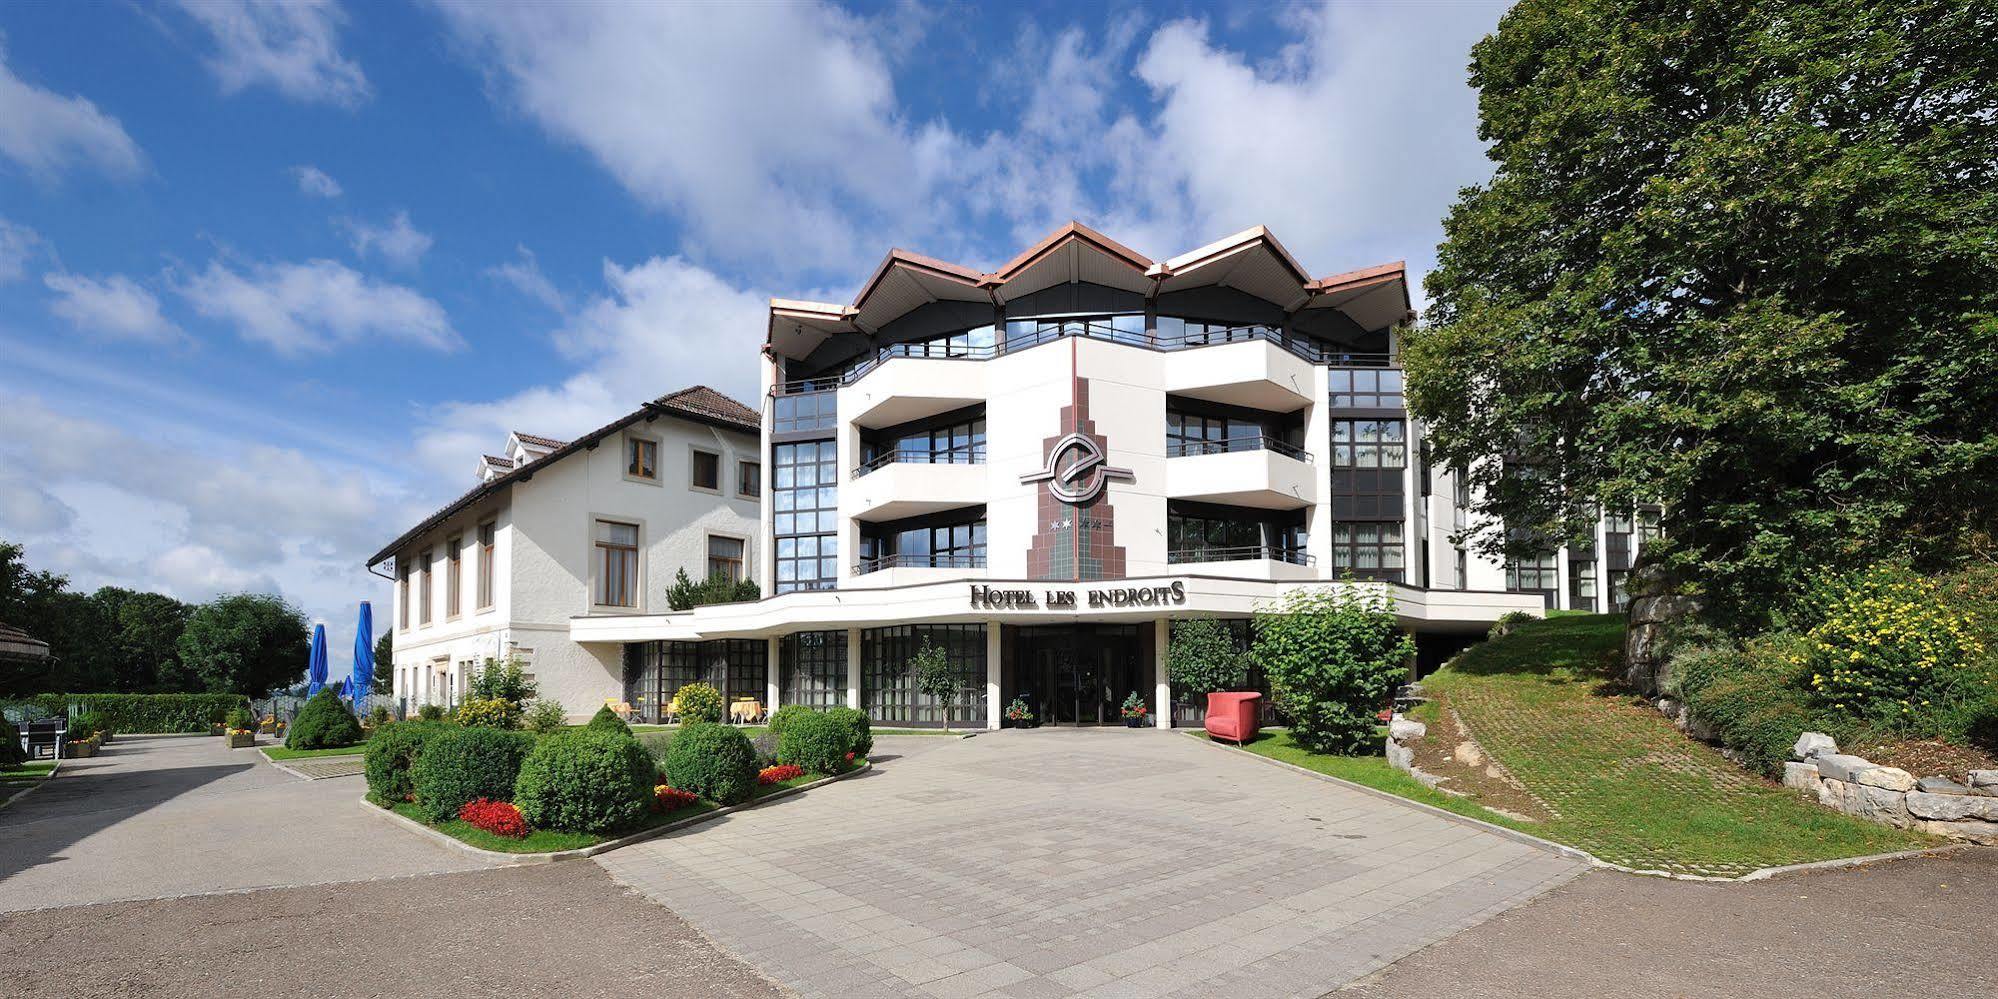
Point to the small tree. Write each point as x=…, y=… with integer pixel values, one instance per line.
x=1202, y=658
x=935, y=676
x=384, y=680
x=1334, y=659
x=503, y=680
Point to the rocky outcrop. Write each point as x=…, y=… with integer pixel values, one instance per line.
x=1857, y=786
x=1654, y=608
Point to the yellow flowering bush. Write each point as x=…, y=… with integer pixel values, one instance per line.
x=1883, y=644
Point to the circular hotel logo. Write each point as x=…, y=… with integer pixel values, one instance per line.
x=1075, y=471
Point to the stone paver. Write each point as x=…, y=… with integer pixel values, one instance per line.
x=159, y=816
x=1082, y=862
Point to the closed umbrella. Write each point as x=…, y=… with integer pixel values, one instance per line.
x=364, y=656
x=315, y=671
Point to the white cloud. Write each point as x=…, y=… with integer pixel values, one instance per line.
x=396, y=240
x=524, y=274
x=28, y=508
x=17, y=244
x=115, y=306
x=291, y=45
x=315, y=182
x=315, y=306
x=47, y=134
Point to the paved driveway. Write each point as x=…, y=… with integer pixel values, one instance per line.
x=1099, y=862
x=160, y=816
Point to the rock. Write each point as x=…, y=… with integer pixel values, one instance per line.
x=1653, y=610
x=1953, y=807
x=1984, y=778
x=1399, y=756
x=1812, y=744
x=1891, y=778
x=1839, y=766
x=1831, y=793
x=1406, y=730
x=1940, y=785
x=1976, y=832
x=1880, y=805
x=1802, y=776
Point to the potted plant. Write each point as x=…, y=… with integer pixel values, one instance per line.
x=82, y=749
x=240, y=730
x=1136, y=712
x=1019, y=715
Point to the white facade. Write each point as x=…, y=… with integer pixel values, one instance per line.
x=545, y=564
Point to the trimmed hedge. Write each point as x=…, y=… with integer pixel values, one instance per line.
x=784, y=716
x=585, y=781
x=606, y=720
x=856, y=721
x=459, y=765
x=324, y=723
x=819, y=743
x=148, y=713
x=714, y=761
x=391, y=753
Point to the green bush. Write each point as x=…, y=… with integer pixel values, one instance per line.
x=489, y=712
x=656, y=744
x=239, y=718
x=430, y=712
x=817, y=742
x=502, y=680
x=1334, y=658
x=390, y=755
x=1202, y=658
x=585, y=781
x=86, y=723
x=782, y=717
x=856, y=722
x=699, y=702
x=324, y=723
x=606, y=720
x=460, y=764
x=147, y=713
x=1751, y=698
x=714, y=761
x=378, y=715
x=546, y=717
x=685, y=594
x=11, y=753
x=1881, y=645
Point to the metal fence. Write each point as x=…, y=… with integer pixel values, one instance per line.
x=285, y=707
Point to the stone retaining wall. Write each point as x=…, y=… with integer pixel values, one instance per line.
x=1858, y=787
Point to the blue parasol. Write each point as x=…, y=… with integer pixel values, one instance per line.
x=364, y=656
x=315, y=671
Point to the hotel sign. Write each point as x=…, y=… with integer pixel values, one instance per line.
x=1075, y=471
x=995, y=598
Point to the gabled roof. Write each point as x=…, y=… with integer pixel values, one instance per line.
x=496, y=461
x=1251, y=261
x=698, y=403
x=538, y=441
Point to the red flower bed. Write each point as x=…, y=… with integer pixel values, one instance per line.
x=497, y=817
x=666, y=799
x=778, y=774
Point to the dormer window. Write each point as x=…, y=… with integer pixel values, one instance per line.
x=641, y=458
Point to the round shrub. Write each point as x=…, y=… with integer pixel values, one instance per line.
x=699, y=702
x=1334, y=659
x=546, y=717
x=430, y=712
x=782, y=717
x=585, y=782
x=461, y=764
x=489, y=712
x=391, y=753
x=324, y=722
x=819, y=743
x=606, y=720
x=714, y=761
x=856, y=722
x=1882, y=645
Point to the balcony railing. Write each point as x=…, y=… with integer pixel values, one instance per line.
x=1186, y=449
x=973, y=454
x=866, y=566
x=1020, y=338
x=1294, y=556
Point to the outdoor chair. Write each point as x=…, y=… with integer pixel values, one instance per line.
x=1232, y=715
x=44, y=739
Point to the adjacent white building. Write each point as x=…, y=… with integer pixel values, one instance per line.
x=556, y=530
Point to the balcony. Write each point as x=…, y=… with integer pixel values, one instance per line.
x=904, y=570
x=1248, y=562
x=900, y=484
x=915, y=387
x=1260, y=472
x=1257, y=373
x=974, y=455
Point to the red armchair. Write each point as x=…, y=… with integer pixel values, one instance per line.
x=1232, y=715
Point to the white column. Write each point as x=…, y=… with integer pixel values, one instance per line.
x=1162, y=693
x=772, y=676
x=853, y=668
x=1561, y=584
x=992, y=668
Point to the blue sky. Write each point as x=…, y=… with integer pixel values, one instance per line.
x=273, y=274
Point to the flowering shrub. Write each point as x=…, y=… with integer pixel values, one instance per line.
x=1882, y=644
x=779, y=774
x=489, y=712
x=699, y=702
x=666, y=798
x=1017, y=711
x=1135, y=707
x=497, y=817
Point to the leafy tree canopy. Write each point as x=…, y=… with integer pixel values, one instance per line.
x=1736, y=258
x=250, y=644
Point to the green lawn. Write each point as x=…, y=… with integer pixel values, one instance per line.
x=1618, y=779
x=28, y=771
x=279, y=752
x=1372, y=771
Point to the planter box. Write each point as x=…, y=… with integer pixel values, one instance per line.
x=81, y=751
x=242, y=740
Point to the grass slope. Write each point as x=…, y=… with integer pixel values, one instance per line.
x=1621, y=782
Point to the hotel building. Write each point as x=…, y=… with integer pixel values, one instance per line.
x=1040, y=468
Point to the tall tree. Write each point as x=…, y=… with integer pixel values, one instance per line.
x=142, y=646
x=250, y=643
x=1735, y=257
x=385, y=663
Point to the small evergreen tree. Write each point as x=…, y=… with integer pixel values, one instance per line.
x=936, y=677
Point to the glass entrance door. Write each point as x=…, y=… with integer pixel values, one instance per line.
x=1078, y=675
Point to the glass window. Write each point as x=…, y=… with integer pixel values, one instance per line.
x=888, y=693
x=1369, y=444
x=812, y=669
x=1367, y=388
x=749, y=479
x=454, y=578
x=402, y=597
x=803, y=411
x=1582, y=584
x=426, y=582
x=724, y=558
x=641, y=458
x=707, y=470
x=486, y=533
x=617, y=564
x=1533, y=575
x=805, y=515
x=1368, y=550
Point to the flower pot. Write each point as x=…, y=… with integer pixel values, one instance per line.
x=240, y=740
x=1134, y=721
x=82, y=750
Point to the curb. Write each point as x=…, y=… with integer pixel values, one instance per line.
x=1574, y=853
x=36, y=786
x=500, y=859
